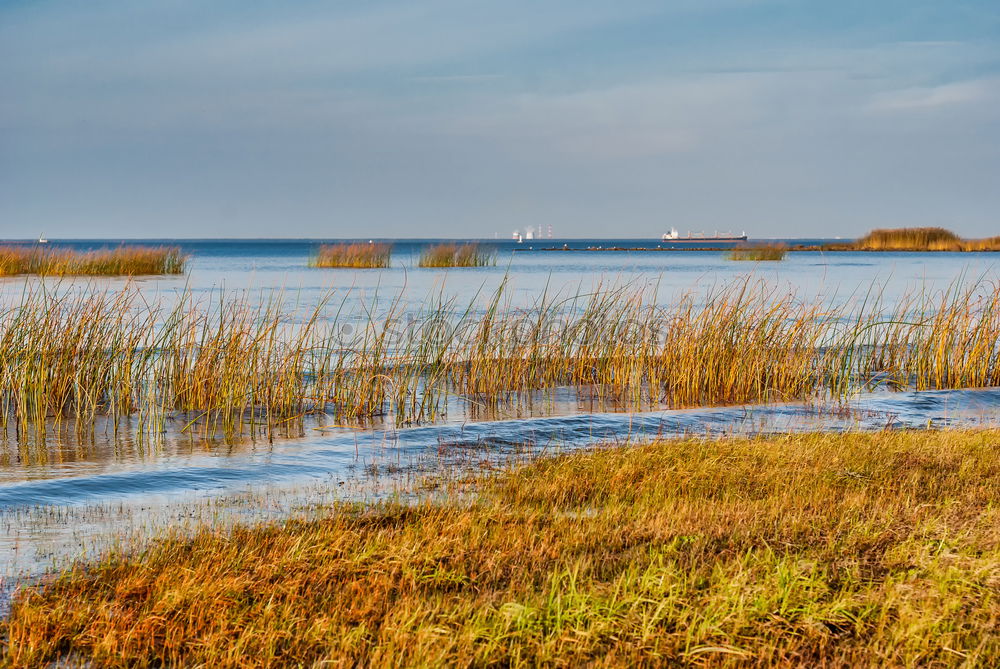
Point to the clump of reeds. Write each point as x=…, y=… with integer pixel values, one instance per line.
x=82, y=355
x=758, y=252
x=819, y=550
x=742, y=342
x=921, y=239
x=358, y=255
x=121, y=261
x=457, y=255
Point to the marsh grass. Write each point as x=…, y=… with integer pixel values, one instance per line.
x=358, y=255
x=818, y=550
x=919, y=239
x=122, y=261
x=758, y=252
x=230, y=364
x=457, y=255
x=619, y=343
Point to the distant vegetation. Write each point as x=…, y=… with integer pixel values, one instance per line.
x=358, y=255
x=122, y=261
x=821, y=550
x=758, y=252
x=457, y=255
x=917, y=239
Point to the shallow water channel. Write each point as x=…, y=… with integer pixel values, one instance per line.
x=51, y=513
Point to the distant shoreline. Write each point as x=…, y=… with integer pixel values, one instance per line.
x=830, y=249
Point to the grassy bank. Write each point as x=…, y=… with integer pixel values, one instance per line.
x=917, y=239
x=836, y=550
x=457, y=255
x=358, y=256
x=122, y=261
x=759, y=252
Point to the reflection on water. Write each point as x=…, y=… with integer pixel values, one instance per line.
x=59, y=511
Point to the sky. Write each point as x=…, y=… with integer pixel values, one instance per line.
x=468, y=118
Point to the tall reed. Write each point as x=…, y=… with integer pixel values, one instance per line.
x=234, y=363
x=457, y=255
x=121, y=261
x=742, y=344
x=358, y=255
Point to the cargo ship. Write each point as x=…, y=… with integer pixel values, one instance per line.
x=674, y=236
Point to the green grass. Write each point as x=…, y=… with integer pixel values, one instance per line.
x=808, y=550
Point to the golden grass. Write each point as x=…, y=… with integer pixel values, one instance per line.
x=359, y=255
x=919, y=239
x=743, y=342
x=457, y=255
x=226, y=366
x=230, y=364
x=758, y=252
x=808, y=550
x=122, y=261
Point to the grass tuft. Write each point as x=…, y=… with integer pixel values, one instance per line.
x=805, y=550
x=758, y=252
x=122, y=261
x=359, y=255
x=457, y=255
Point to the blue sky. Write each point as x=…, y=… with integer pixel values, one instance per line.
x=185, y=118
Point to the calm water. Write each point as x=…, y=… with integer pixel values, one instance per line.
x=68, y=494
x=281, y=265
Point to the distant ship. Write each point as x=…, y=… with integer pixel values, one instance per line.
x=42, y=239
x=674, y=236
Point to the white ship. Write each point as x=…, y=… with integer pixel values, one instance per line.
x=674, y=236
